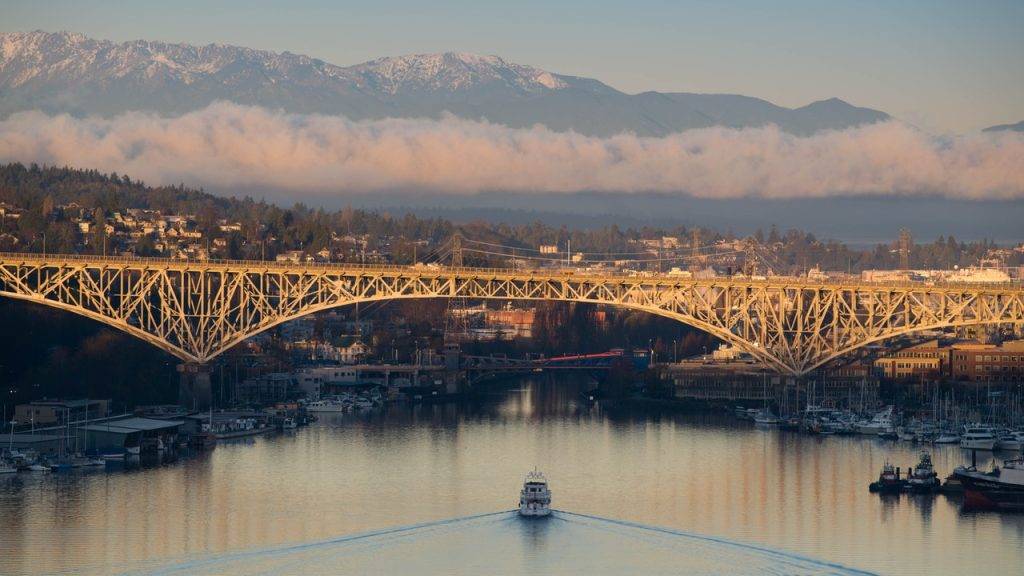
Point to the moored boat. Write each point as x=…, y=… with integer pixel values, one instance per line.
x=535, y=498
x=328, y=405
x=906, y=434
x=765, y=417
x=878, y=424
x=1011, y=441
x=923, y=477
x=888, y=434
x=889, y=480
x=978, y=438
x=1000, y=489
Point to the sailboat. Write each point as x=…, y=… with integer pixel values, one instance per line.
x=764, y=416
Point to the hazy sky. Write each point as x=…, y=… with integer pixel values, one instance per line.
x=941, y=65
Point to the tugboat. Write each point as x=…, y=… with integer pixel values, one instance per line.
x=889, y=481
x=1000, y=489
x=923, y=477
x=535, y=499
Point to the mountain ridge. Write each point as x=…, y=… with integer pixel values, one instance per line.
x=1018, y=127
x=67, y=72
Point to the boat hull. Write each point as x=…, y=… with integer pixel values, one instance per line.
x=530, y=510
x=978, y=444
x=985, y=492
x=925, y=486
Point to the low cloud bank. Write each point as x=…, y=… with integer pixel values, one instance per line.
x=232, y=147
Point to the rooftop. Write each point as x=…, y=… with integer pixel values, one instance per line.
x=5, y=439
x=133, y=424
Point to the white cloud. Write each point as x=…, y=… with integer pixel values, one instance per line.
x=227, y=146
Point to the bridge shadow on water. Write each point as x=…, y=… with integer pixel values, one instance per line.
x=505, y=543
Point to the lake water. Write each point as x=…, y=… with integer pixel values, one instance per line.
x=427, y=489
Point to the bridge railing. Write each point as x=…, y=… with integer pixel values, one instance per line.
x=508, y=272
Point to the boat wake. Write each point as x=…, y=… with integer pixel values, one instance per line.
x=505, y=543
x=779, y=561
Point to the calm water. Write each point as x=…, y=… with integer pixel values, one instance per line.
x=427, y=488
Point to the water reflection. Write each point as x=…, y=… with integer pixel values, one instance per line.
x=351, y=474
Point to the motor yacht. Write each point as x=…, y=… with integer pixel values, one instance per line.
x=878, y=424
x=978, y=438
x=1011, y=441
x=535, y=498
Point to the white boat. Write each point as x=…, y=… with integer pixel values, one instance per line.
x=766, y=418
x=1012, y=441
x=906, y=434
x=947, y=437
x=978, y=438
x=878, y=424
x=37, y=467
x=289, y=424
x=535, y=498
x=326, y=406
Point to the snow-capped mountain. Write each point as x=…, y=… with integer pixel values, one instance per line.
x=454, y=72
x=66, y=72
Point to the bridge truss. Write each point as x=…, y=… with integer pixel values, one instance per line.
x=197, y=310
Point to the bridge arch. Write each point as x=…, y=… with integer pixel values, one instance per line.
x=160, y=343
x=715, y=331
x=197, y=310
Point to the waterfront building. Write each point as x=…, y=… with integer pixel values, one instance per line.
x=267, y=389
x=116, y=434
x=925, y=360
x=511, y=322
x=989, y=363
x=47, y=412
x=315, y=381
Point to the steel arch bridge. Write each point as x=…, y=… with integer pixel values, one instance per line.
x=197, y=310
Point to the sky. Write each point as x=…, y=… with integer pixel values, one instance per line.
x=943, y=66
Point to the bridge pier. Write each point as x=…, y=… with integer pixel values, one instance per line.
x=194, y=389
